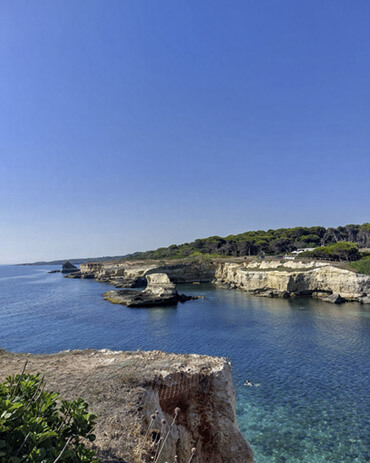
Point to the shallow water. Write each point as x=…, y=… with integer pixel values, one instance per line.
x=311, y=359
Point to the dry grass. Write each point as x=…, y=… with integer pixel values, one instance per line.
x=113, y=383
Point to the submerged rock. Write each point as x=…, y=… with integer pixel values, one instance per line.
x=78, y=274
x=73, y=275
x=67, y=267
x=272, y=293
x=159, y=291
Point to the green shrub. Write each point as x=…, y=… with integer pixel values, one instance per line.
x=37, y=426
x=343, y=251
x=362, y=265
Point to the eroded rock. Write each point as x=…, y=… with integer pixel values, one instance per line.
x=133, y=274
x=269, y=277
x=333, y=298
x=159, y=291
x=125, y=388
x=290, y=279
x=67, y=267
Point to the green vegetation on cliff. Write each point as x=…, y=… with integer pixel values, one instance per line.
x=36, y=426
x=362, y=265
x=270, y=242
x=342, y=251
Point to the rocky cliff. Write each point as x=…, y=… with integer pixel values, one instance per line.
x=295, y=278
x=132, y=274
x=269, y=277
x=142, y=397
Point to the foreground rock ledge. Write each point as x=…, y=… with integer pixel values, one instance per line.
x=125, y=388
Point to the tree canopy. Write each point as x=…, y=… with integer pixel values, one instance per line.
x=342, y=251
x=271, y=242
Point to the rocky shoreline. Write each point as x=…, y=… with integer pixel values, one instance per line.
x=327, y=281
x=125, y=389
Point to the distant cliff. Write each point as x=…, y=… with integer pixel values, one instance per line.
x=126, y=388
x=132, y=274
x=282, y=278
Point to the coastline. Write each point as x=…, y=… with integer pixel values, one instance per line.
x=320, y=340
x=328, y=281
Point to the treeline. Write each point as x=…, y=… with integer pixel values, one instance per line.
x=342, y=251
x=270, y=242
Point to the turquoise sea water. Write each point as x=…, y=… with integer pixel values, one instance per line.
x=311, y=359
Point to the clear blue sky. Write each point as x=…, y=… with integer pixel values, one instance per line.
x=128, y=125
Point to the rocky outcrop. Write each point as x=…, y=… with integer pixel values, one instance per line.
x=333, y=298
x=67, y=267
x=78, y=275
x=293, y=278
x=126, y=388
x=133, y=274
x=159, y=291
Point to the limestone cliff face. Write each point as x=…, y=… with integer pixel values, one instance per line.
x=159, y=291
x=207, y=420
x=132, y=274
x=272, y=277
x=126, y=388
x=289, y=278
x=159, y=285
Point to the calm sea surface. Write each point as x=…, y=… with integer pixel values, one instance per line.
x=311, y=359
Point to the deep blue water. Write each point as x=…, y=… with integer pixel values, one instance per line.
x=311, y=359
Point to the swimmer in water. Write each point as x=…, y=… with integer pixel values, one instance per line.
x=248, y=383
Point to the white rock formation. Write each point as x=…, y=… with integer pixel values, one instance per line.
x=295, y=278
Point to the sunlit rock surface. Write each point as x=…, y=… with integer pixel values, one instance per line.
x=159, y=291
x=125, y=388
x=289, y=278
x=262, y=277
